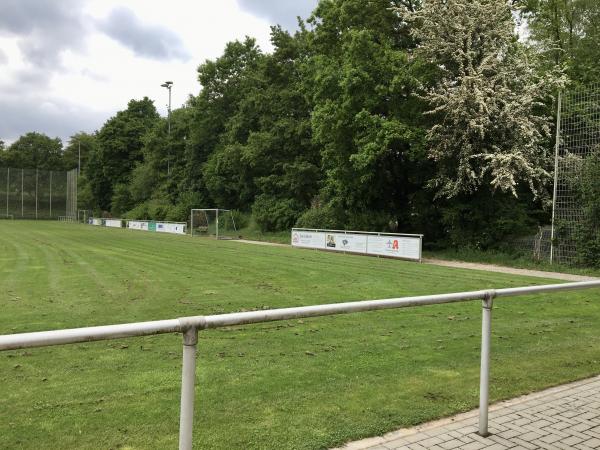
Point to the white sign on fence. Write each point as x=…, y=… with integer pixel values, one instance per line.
x=308, y=239
x=97, y=222
x=137, y=225
x=380, y=244
x=113, y=223
x=175, y=228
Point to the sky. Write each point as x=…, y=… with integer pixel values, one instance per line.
x=69, y=65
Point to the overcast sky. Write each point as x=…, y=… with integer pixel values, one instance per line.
x=68, y=65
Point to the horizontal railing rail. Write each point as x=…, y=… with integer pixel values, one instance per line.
x=190, y=326
x=373, y=233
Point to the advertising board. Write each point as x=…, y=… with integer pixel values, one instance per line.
x=174, y=228
x=377, y=244
x=137, y=225
x=113, y=223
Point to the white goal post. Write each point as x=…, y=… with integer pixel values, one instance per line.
x=219, y=223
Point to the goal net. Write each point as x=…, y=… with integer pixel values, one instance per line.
x=216, y=223
x=578, y=143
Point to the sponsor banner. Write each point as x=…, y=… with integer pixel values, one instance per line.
x=175, y=228
x=308, y=239
x=97, y=222
x=356, y=243
x=407, y=247
x=114, y=223
x=137, y=225
x=395, y=246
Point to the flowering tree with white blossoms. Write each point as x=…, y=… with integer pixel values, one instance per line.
x=488, y=104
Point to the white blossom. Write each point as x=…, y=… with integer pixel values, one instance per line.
x=488, y=102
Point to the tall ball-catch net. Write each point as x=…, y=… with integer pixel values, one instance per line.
x=215, y=223
x=578, y=143
x=38, y=194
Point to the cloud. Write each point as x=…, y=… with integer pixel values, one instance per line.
x=280, y=12
x=3, y=58
x=149, y=41
x=56, y=118
x=44, y=28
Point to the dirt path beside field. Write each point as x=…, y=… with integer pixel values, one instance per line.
x=509, y=270
x=473, y=266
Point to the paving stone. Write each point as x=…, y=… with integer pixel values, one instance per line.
x=567, y=417
x=592, y=443
x=451, y=444
x=571, y=440
x=473, y=446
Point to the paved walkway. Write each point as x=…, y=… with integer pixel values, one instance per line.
x=564, y=417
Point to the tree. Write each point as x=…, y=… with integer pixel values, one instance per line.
x=366, y=120
x=490, y=131
x=566, y=33
x=119, y=149
x=35, y=151
x=80, y=143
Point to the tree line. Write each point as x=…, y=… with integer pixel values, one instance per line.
x=417, y=116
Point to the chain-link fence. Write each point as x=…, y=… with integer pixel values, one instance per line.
x=578, y=138
x=38, y=194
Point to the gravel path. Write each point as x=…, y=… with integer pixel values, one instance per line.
x=509, y=270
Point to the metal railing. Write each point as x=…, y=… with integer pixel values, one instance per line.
x=190, y=326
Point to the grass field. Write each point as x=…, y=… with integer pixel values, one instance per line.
x=303, y=384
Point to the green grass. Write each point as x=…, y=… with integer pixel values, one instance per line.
x=302, y=384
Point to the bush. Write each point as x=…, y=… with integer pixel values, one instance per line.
x=273, y=214
x=323, y=217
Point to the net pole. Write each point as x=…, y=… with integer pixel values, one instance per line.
x=7, y=186
x=36, y=194
x=233, y=222
x=51, y=194
x=556, y=149
x=67, y=194
x=217, y=224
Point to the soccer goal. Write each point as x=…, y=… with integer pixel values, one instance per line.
x=83, y=215
x=217, y=223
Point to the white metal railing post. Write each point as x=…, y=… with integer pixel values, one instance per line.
x=484, y=378
x=188, y=385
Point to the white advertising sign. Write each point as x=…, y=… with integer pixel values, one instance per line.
x=97, y=222
x=114, y=223
x=391, y=245
x=137, y=225
x=356, y=243
x=395, y=246
x=308, y=239
x=175, y=228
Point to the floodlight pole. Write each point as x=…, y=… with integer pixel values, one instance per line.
x=168, y=85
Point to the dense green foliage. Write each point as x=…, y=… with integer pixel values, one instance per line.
x=429, y=117
x=301, y=384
